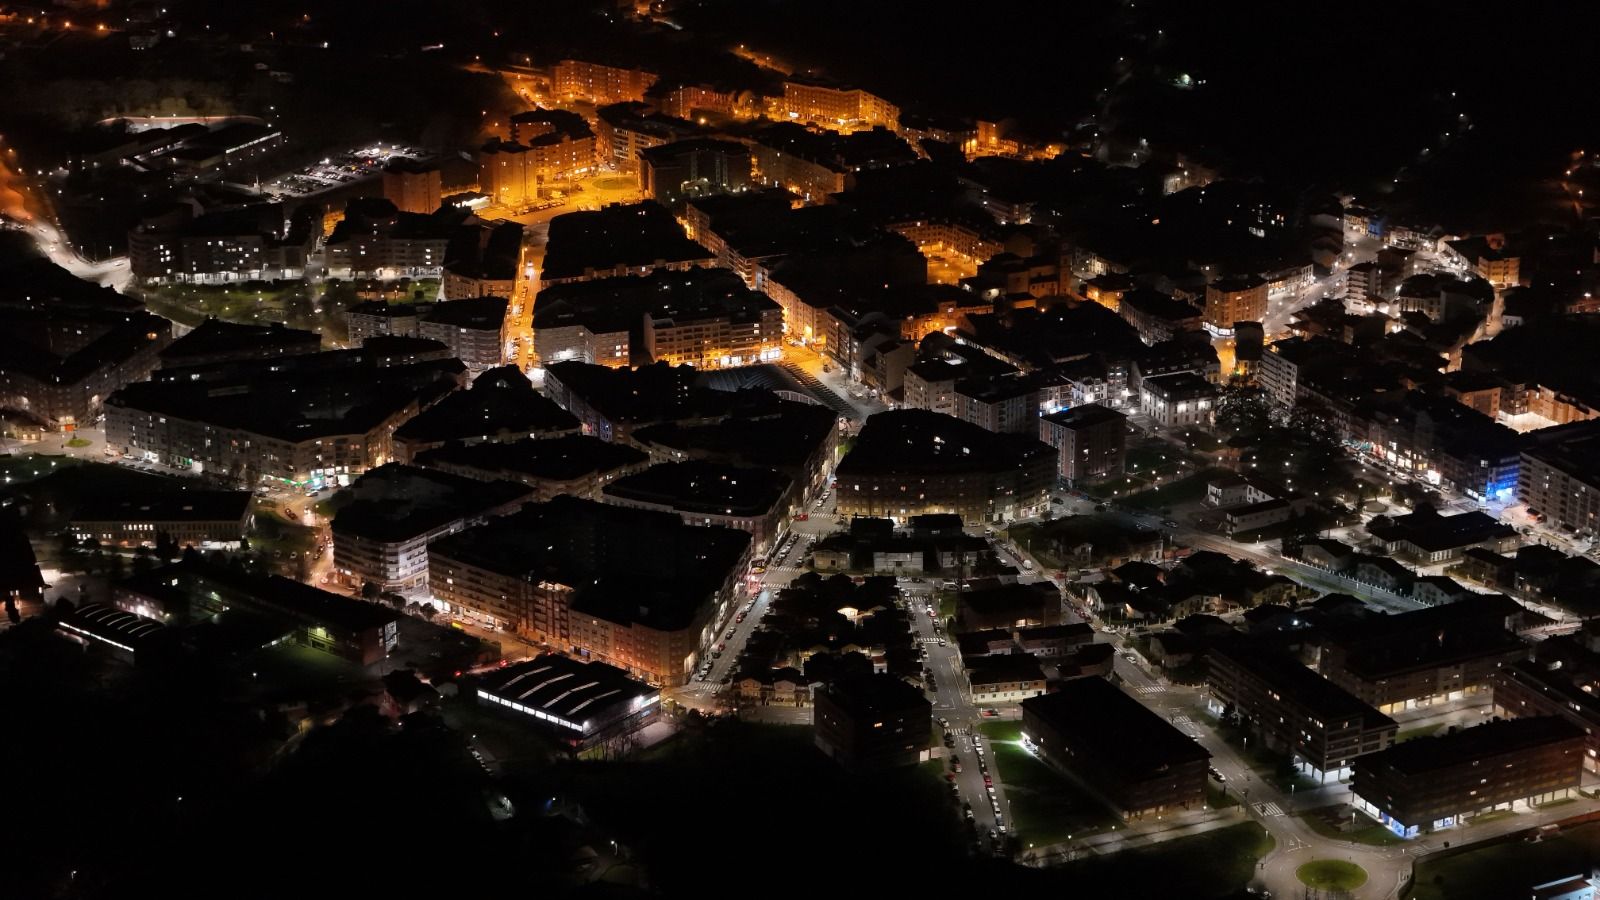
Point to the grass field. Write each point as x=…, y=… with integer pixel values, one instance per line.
x=735, y=783
x=1331, y=875
x=1327, y=819
x=1184, y=490
x=17, y=469
x=1046, y=806
x=1218, y=863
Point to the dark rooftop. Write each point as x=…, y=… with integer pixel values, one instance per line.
x=168, y=506
x=1326, y=700
x=648, y=394
x=486, y=313
x=1430, y=531
x=916, y=440
x=640, y=234
x=501, y=401
x=763, y=430
x=568, y=689
x=215, y=338
x=875, y=697
x=1118, y=730
x=705, y=487
x=1088, y=415
x=556, y=459
x=396, y=502
x=624, y=565
x=1424, y=755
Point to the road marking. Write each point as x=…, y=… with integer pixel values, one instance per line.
x=1269, y=809
x=1150, y=689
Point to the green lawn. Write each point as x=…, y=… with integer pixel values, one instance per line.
x=1326, y=821
x=17, y=469
x=1506, y=868
x=1219, y=797
x=1219, y=863
x=1331, y=875
x=730, y=781
x=1047, y=807
x=1184, y=490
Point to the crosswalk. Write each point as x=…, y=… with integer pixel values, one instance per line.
x=1269, y=809
x=1149, y=690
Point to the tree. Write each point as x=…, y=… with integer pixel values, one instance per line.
x=166, y=547
x=1242, y=412
x=370, y=590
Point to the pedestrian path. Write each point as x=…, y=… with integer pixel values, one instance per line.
x=1269, y=809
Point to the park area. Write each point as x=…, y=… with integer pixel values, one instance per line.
x=1218, y=863
x=768, y=793
x=1046, y=806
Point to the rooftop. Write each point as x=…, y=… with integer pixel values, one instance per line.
x=216, y=338
x=568, y=691
x=396, y=502
x=1115, y=728
x=636, y=235
x=1086, y=416
x=321, y=395
x=555, y=459
x=501, y=401
x=763, y=431
x=1432, y=532
x=112, y=625
x=1418, y=758
x=1003, y=668
x=916, y=440
x=624, y=565
x=705, y=487
x=484, y=313
x=168, y=506
x=875, y=697
x=1319, y=696
x=648, y=394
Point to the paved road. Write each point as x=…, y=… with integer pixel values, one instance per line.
x=952, y=703
x=19, y=203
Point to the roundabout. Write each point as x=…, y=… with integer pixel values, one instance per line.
x=1331, y=875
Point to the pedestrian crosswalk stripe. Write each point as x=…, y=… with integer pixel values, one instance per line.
x=1269, y=809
